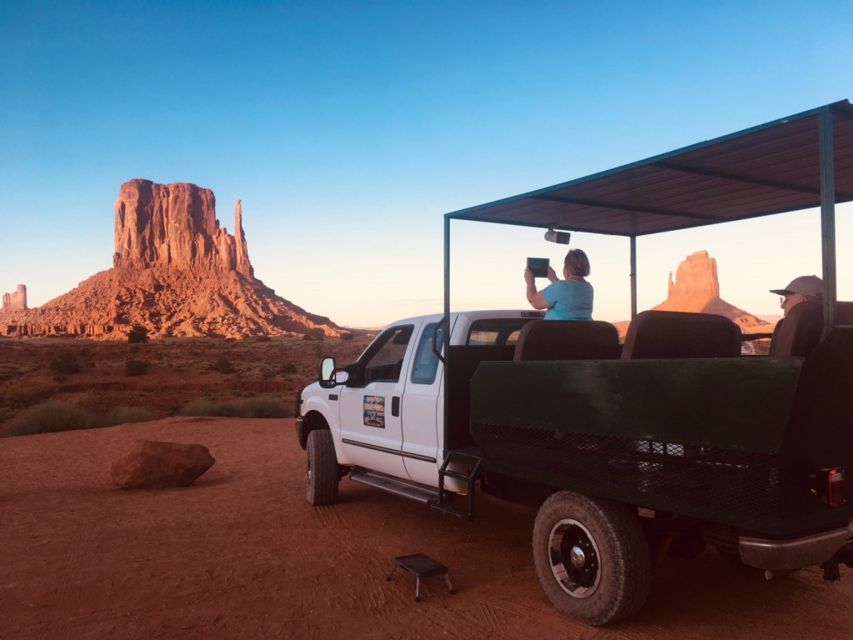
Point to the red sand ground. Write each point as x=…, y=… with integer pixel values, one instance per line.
x=242, y=554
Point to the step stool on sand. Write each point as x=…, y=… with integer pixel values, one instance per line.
x=421, y=566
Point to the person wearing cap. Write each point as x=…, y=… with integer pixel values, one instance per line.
x=799, y=290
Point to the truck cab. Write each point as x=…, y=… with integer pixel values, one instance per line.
x=385, y=412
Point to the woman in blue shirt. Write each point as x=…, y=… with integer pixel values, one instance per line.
x=569, y=299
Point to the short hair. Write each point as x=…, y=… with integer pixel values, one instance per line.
x=577, y=263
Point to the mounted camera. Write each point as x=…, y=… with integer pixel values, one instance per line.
x=560, y=237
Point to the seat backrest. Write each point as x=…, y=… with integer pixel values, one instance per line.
x=675, y=334
x=799, y=332
x=567, y=340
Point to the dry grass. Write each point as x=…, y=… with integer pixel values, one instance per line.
x=178, y=371
x=50, y=417
x=263, y=407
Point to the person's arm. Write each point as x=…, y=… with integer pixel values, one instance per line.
x=534, y=297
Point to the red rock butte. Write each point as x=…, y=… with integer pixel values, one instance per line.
x=696, y=288
x=175, y=272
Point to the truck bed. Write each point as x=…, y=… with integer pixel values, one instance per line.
x=729, y=440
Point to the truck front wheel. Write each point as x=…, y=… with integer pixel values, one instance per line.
x=592, y=558
x=322, y=469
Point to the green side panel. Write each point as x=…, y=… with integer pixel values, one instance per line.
x=730, y=403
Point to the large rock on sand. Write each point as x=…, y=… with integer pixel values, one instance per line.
x=152, y=465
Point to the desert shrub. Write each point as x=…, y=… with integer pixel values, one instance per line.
x=288, y=368
x=205, y=407
x=49, y=417
x=135, y=367
x=262, y=339
x=121, y=415
x=261, y=407
x=65, y=362
x=137, y=334
x=347, y=336
x=264, y=407
x=267, y=372
x=223, y=365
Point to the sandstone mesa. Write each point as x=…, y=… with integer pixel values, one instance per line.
x=16, y=301
x=696, y=288
x=175, y=272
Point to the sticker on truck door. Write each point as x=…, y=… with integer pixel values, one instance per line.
x=374, y=411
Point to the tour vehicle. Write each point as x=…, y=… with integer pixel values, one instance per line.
x=630, y=451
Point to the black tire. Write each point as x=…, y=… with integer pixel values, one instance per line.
x=591, y=557
x=322, y=469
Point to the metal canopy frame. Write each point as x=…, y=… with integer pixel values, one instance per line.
x=799, y=162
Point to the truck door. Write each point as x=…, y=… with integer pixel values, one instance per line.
x=371, y=403
x=422, y=407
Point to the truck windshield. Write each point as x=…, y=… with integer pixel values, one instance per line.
x=498, y=331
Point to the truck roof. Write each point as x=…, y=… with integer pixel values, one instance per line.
x=476, y=314
x=767, y=169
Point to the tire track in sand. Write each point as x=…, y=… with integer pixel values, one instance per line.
x=69, y=592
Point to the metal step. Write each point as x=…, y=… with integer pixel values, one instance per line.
x=398, y=487
x=455, y=474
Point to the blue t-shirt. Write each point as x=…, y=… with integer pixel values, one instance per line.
x=569, y=300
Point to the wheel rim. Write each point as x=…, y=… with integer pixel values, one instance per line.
x=574, y=558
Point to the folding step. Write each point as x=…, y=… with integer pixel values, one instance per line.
x=455, y=474
x=398, y=487
x=471, y=465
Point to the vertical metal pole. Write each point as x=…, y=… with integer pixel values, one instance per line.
x=827, y=217
x=633, y=277
x=446, y=320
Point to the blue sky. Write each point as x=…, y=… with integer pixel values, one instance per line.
x=349, y=128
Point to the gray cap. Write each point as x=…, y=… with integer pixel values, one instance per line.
x=810, y=286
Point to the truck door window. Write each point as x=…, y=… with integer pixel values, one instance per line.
x=386, y=361
x=426, y=362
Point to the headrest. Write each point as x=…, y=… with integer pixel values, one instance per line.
x=567, y=340
x=675, y=334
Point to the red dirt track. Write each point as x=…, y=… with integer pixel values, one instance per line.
x=242, y=554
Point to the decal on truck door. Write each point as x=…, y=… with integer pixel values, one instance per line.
x=374, y=411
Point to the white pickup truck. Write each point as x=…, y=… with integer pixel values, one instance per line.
x=382, y=421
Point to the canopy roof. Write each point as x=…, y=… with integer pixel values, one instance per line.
x=771, y=168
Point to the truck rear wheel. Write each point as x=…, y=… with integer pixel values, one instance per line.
x=322, y=468
x=591, y=557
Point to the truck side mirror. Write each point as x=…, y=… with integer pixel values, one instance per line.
x=330, y=375
x=327, y=373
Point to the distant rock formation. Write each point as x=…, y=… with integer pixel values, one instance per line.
x=175, y=226
x=16, y=301
x=696, y=288
x=696, y=279
x=175, y=272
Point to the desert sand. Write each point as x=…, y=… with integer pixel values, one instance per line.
x=241, y=554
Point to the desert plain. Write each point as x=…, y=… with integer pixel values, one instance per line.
x=241, y=554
